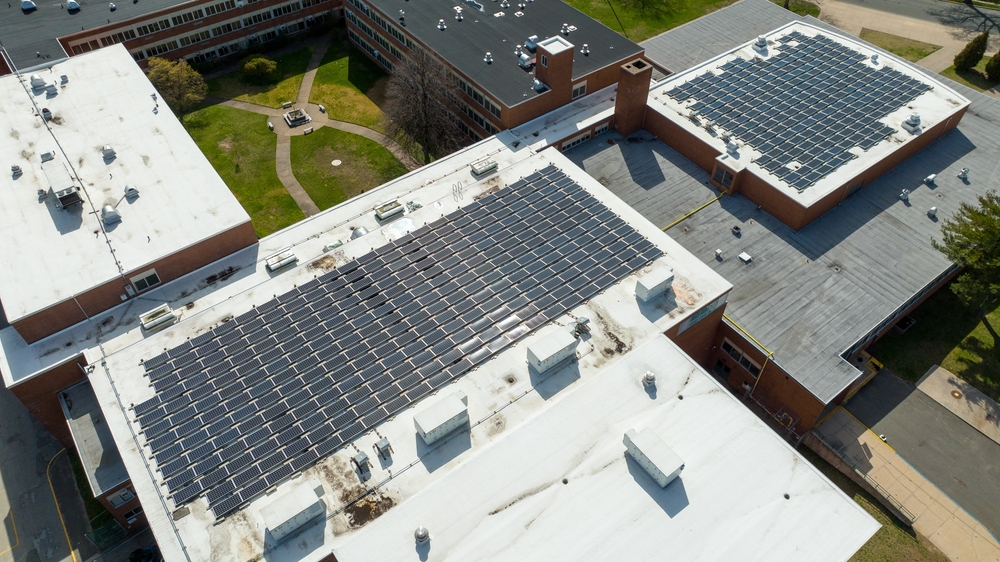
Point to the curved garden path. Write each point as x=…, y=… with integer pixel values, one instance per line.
x=283, y=152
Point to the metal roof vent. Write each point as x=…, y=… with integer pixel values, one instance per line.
x=875, y=58
x=531, y=43
x=517, y=51
x=733, y=147
x=964, y=174
x=107, y=151
x=649, y=379
x=912, y=123
x=488, y=58
x=358, y=232
x=538, y=85
x=524, y=60
x=458, y=13
x=441, y=25
x=110, y=215
x=565, y=29
x=283, y=258
x=36, y=81
x=932, y=212
x=585, y=50
x=421, y=535
x=761, y=42
x=505, y=4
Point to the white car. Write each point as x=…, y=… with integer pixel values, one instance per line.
x=28, y=5
x=72, y=5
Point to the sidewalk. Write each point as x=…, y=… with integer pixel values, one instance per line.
x=936, y=516
x=969, y=404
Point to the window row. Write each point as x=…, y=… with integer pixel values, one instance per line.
x=393, y=30
x=370, y=50
x=220, y=7
x=739, y=357
x=188, y=17
x=287, y=9
x=479, y=119
x=385, y=43
x=153, y=27
x=196, y=38
x=226, y=28
x=116, y=38
x=480, y=98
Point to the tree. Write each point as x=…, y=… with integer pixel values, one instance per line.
x=972, y=53
x=993, y=68
x=423, y=105
x=180, y=85
x=258, y=69
x=972, y=240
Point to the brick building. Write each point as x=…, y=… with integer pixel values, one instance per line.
x=514, y=61
x=108, y=200
x=197, y=30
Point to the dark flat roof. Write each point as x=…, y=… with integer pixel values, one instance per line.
x=24, y=34
x=464, y=43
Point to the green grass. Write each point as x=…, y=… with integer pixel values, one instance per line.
x=291, y=67
x=643, y=19
x=364, y=164
x=891, y=543
x=349, y=85
x=241, y=149
x=800, y=7
x=974, y=78
x=90, y=503
x=909, y=49
x=947, y=334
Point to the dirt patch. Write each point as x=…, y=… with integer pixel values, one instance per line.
x=325, y=263
x=366, y=509
x=226, y=144
x=684, y=292
x=496, y=425
x=611, y=338
x=219, y=276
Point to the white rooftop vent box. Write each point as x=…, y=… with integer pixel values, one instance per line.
x=292, y=511
x=653, y=455
x=745, y=257
x=159, y=317
x=283, y=258
x=447, y=415
x=388, y=210
x=483, y=167
x=107, y=151
x=551, y=350
x=110, y=215
x=36, y=81
x=654, y=283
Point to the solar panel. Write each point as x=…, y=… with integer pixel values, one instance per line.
x=803, y=85
x=266, y=395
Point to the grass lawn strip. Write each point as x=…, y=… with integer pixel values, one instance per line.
x=291, y=67
x=908, y=49
x=800, y=7
x=948, y=334
x=975, y=78
x=646, y=18
x=241, y=150
x=891, y=543
x=90, y=503
x=365, y=164
x=349, y=85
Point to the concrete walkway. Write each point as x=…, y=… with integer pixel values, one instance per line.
x=963, y=400
x=275, y=118
x=956, y=533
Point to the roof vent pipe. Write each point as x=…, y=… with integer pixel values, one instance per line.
x=585, y=50
x=565, y=29
x=761, y=42
x=913, y=119
x=505, y=4
x=733, y=147
x=421, y=535
x=488, y=58
x=458, y=14
x=932, y=212
x=875, y=58
x=517, y=51
x=441, y=25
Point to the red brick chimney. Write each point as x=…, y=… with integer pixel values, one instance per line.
x=554, y=67
x=630, y=102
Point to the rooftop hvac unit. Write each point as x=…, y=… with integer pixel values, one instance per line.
x=524, y=61
x=653, y=455
x=36, y=80
x=159, y=317
x=283, y=258
x=447, y=415
x=483, y=167
x=531, y=43
x=289, y=513
x=388, y=210
x=654, y=283
x=68, y=197
x=551, y=350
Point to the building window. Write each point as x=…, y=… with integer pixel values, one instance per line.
x=132, y=514
x=579, y=90
x=121, y=497
x=601, y=129
x=738, y=356
x=723, y=177
x=146, y=280
x=578, y=140
x=545, y=61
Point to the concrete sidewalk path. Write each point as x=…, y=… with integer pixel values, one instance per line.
x=283, y=165
x=956, y=533
x=963, y=400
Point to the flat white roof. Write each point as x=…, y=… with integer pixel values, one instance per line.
x=934, y=106
x=52, y=255
x=433, y=187
x=560, y=487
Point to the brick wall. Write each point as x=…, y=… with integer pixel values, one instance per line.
x=697, y=341
x=106, y=296
x=40, y=395
x=633, y=91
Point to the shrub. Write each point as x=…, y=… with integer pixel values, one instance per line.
x=993, y=68
x=258, y=68
x=972, y=53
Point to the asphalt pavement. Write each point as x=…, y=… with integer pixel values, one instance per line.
x=958, y=459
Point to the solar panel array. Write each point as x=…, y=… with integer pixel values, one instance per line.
x=809, y=103
x=271, y=392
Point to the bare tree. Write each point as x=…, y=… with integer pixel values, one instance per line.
x=423, y=105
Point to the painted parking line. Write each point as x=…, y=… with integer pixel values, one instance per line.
x=58, y=509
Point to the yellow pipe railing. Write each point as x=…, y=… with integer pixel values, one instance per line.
x=689, y=213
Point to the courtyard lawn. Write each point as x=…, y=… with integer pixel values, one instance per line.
x=241, y=150
x=908, y=49
x=974, y=78
x=949, y=334
x=349, y=84
x=291, y=67
x=364, y=164
x=800, y=7
x=643, y=19
x=891, y=543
